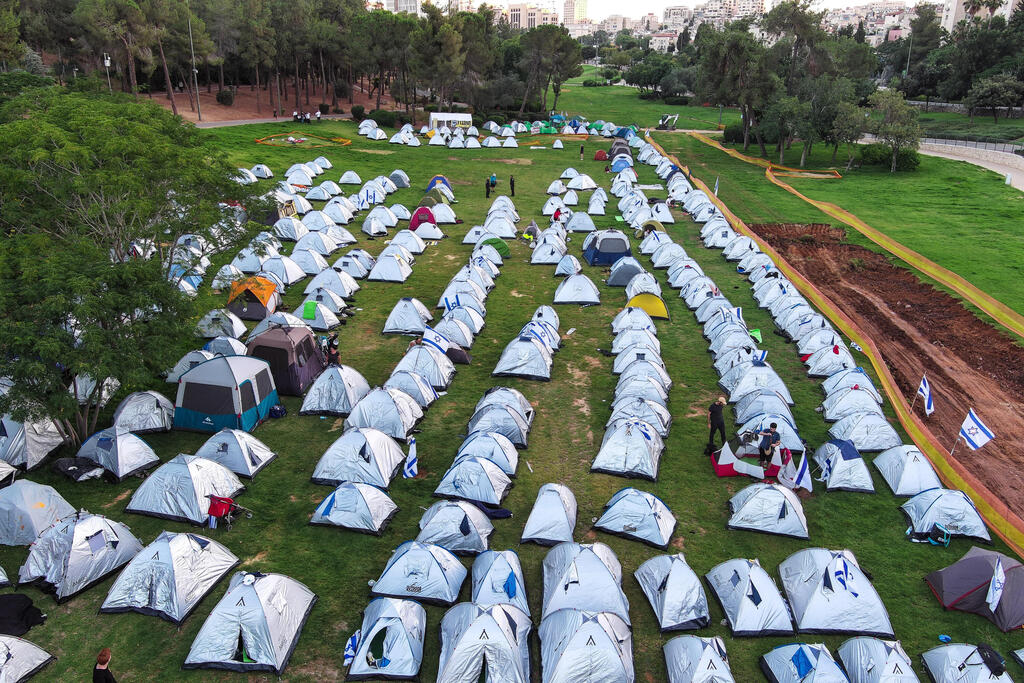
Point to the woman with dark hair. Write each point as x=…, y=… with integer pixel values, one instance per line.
x=101, y=672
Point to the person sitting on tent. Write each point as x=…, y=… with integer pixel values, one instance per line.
x=770, y=440
x=716, y=421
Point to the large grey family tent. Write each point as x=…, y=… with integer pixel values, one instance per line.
x=950, y=509
x=638, y=515
x=119, y=452
x=364, y=455
x=145, y=411
x=235, y=392
x=959, y=663
x=26, y=509
x=578, y=645
x=630, y=448
x=77, y=552
x=413, y=384
x=20, y=660
x=356, y=506
x=421, y=571
x=484, y=643
x=583, y=576
x=828, y=592
x=456, y=526
x=553, y=516
x=474, y=479
x=692, y=659
x=748, y=596
x=605, y=247
x=964, y=585
x=430, y=363
x=170, y=577
x=769, y=509
x=871, y=660
x=389, y=410
x=801, y=663
x=255, y=626
x=868, y=432
x=490, y=446
x=390, y=642
x=498, y=580
x=239, y=451
x=409, y=316
x=675, y=593
x=295, y=361
x=180, y=489
x=842, y=468
x=526, y=357
x=335, y=392
x=907, y=471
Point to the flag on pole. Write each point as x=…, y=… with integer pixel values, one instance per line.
x=794, y=476
x=716, y=185
x=974, y=431
x=435, y=339
x=411, y=468
x=760, y=355
x=995, y=586
x=351, y=646
x=925, y=392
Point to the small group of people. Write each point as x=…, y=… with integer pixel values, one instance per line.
x=770, y=437
x=305, y=116
x=491, y=182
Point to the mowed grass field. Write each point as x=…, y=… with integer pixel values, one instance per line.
x=571, y=411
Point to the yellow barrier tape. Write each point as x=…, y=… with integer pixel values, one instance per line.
x=765, y=163
x=997, y=310
x=996, y=513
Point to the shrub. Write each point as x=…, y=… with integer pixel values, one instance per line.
x=324, y=108
x=225, y=97
x=907, y=160
x=337, y=110
x=650, y=96
x=875, y=154
x=733, y=133
x=590, y=83
x=430, y=108
x=677, y=100
x=341, y=89
x=382, y=117
x=358, y=112
x=499, y=119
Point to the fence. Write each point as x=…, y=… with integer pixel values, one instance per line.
x=966, y=141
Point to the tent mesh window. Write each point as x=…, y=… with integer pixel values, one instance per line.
x=248, y=397
x=207, y=398
x=263, y=383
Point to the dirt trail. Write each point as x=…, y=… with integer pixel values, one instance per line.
x=920, y=329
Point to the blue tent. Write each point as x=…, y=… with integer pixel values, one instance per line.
x=620, y=165
x=605, y=247
x=438, y=179
x=625, y=133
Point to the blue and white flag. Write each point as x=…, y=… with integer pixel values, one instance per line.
x=855, y=346
x=843, y=577
x=738, y=312
x=760, y=355
x=434, y=338
x=995, y=586
x=351, y=646
x=925, y=392
x=411, y=468
x=449, y=304
x=974, y=431
x=716, y=185
x=794, y=476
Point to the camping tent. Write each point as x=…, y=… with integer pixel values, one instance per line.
x=335, y=392
x=293, y=356
x=220, y=322
x=605, y=247
x=749, y=598
x=692, y=659
x=829, y=593
x=144, y=411
x=430, y=363
x=524, y=356
x=423, y=571
x=413, y=384
x=871, y=660
x=491, y=446
x=26, y=509
x=180, y=489
x=630, y=448
x=391, y=411
x=965, y=585
x=868, y=431
x=21, y=659
x=951, y=509
x=26, y=444
x=77, y=552
x=675, y=593
x=578, y=645
x=583, y=576
x=390, y=642
x=409, y=316
x=474, y=479
x=769, y=509
x=638, y=515
x=239, y=451
x=119, y=452
x=253, y=298
x=233, y=391
x=502, y=419
x=653, y=304
x=959, y=663
x=801, y=663
x=457, y=526
x=907, y=471
x=356, y=506
x=255, y=626
x=484, y=643
x=220, y=346
x=553, y=516
x=577, y=289
x=842, y=468
x=363, y=455
x=169, y=577
x=498, y=580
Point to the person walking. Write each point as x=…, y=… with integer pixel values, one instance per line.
x=512, y=185
x=581, y=152
x=101, y=672
x=716, y=421
x=487, y=187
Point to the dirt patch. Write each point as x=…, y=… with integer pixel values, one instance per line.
x=293, y=499
x=699, y=408
x=374, y=151
x=337, y=425
x=920, y=329
x=121, y=496
x=515, y=162
x=452, y=257
x=590, y=535
x=257, y=558
x=578, y=376
x=319, y=670
x=581, y=405
x=461, y=182
x=516, y=294
x=592, y=361
x=679, y=544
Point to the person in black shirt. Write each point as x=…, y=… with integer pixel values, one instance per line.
x=512, y=185
x=716, y=421
x=100, y=673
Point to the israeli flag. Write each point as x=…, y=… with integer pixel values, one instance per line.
x=738, y=313
x=716, y=185
x=350, y=647
x=995, y=586
x=411, y=468
x=796, y=476
x=434, y=338
x=855, y=346
x=843, y=577
x=760, y=355
x=449, y=305
x=974, y=431
x=925, y=392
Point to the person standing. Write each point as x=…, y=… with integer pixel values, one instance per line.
x=512, y=185
x=487, y=187
x=581, y=152
x=101, y=672
x=716, y=421
x=318, y=116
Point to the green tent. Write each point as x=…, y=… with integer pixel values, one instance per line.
x=428, y=202
x=499, y=246
x=438, y=195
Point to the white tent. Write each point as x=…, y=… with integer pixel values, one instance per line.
x=457, y=526
x=749, y=598
x=180, y=489
x=867, y=431
x=692, y=659
x=356, y=506
x=871, y=660
x=476, y=480
x=237, y=450
x=335, y=392
x=21, y=659
x=391, y=411
x=26, y=509
x=220, y=322
x=769, y=509
x=553, y=516
x=423, y=571
x=119, y=452
x=430, y=363
x=580, y=645
x=144, y=411
x=413, y=384
x=491, y=446
x=959, y=663
x=577, y=289
x=638, y=515
x=583, y=576
x=907, y=471
x=498, y=580
x=675, y=593
x=484, y=643
x=802, y=663
x=951, y=509
x=390, y=642
x=842, y=468
x=363, y=455
x=525, y=357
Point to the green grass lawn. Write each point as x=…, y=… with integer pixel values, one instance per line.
x=571, y=412
x=951, y=124
x=960, y=216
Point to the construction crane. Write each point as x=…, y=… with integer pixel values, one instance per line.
x=668, y=122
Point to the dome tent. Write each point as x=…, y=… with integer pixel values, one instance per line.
x=413, y=384
x=490, y=446
x=457, y=526
x=294, y=358
x=630, y=448
x=430, y=363
x=842, y=468
x=26, y=509
x=692, y=659
x=552, y=518
x=578, y=645
x=409, y=316
x=239, y=451
x=861, y=657
x=623, y=271
x=525, y=357
x=390, y=641
x=220, y=322
x=583, y=576
x=317, y=316
x=170, y=577
x=951, y=509
x=907, y=471
x=749, y=598
x=423, y=571
x=391, y=411
x=363, y=455
x=221, y=346
x=498, y=580
x=577, y=289
x=829, y=593
x=867, y=431
x=255, y=626
x=144, y=411
x=356, y=506
x=476, y=480
x=120, y=452
x=187, y=362
x=479, y=643
x=638, y=515
x=959, y=663
x=180, y=489
x=964, y=585
x=21, y=659
x=631, y=318
x=636, y=408
x=769, y=509
x=335, y=392
x=801, y=663
x=77, y=552
x=675, y=593
x=502, y=419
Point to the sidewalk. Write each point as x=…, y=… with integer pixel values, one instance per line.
x=283, y=119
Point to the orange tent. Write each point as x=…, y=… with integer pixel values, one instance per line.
x=253, y=298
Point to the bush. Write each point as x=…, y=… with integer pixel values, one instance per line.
x=499, y=119
x=358, y=112
x=590, y=83
x=383, y=117
x=430, y=108
x=878, y=154
x=341, y=89
x=226, y=97
x=650, y=96
x=324, y=108
x=733, y=133
x=677, y=100
x=907, y=160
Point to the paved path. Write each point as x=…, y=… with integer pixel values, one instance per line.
x=283, y=119
x=1016, y=175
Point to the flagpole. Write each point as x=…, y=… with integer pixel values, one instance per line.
x=954, y=445
x=914, y=401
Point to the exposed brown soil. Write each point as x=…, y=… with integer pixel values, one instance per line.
x=920, y=329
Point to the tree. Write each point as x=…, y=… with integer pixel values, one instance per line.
x=860, y=35
x=75, y=303
x=565, y=64
x=994, y=92
x=683, y=39
x=896, y=122
x=11, y=47
x=847, y=129
x=256, y=46
x=588, y=52
x=119, y=25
